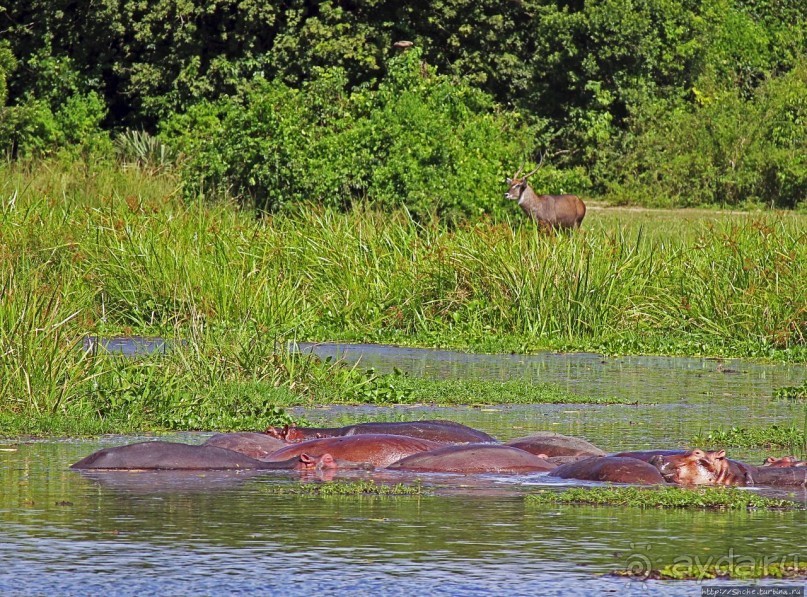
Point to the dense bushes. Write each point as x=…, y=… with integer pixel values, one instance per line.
x=646, y=100
x=419, y=139
x=723, y=149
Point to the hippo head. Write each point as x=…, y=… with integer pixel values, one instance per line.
x=276, y=433
x=316, y=463
x=289, y=433
x=695, y=467
x=783, y=462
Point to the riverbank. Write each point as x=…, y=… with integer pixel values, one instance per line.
x=117, y=251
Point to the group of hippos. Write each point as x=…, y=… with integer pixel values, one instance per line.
x=444, y=447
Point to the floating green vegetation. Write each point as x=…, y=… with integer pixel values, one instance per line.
x=792, y=393
x=397, y=388
x=364, y=487
x=710, y=498
x=774, y=436
x=740, y=569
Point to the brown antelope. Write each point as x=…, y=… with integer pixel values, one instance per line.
x=549, y=211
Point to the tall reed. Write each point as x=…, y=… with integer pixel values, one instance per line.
x=100, y=250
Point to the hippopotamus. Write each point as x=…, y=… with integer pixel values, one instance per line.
x=162, y=455
x=783, y=462
x=474, y=458
x=379, y=449
x=699, y=467
x=254, y=445
x=713, y=468
x=557, y=448
x=793, y=476
x=613, y=469
x=694, y=467
x=439, y=431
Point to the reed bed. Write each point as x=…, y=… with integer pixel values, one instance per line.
x=109, y=250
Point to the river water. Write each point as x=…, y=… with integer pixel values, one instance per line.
x=66, y=533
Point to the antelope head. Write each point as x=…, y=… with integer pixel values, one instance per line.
x=518, y=184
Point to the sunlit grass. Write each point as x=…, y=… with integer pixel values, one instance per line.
x=103, y=251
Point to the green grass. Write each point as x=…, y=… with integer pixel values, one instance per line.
x=711, y=498
x=101, y=250
x=773, y=436
x=347, y=488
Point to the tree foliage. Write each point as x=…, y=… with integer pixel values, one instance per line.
x=598, y=82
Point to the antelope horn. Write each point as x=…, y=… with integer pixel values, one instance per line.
x=526, y=176
x=516, y=175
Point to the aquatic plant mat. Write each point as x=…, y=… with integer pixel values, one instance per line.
x=708, y=498
x=773, y=436
x=347, y=488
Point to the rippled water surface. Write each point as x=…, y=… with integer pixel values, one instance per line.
x=62, y=532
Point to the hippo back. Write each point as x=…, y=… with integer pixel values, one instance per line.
x=254, y=445
x=554, y=445
x=612, y=469
x=380, y=450
x=161, y=455
x=474, y=458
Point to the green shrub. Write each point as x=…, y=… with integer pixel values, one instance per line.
x=724, y=149
x=419, y=140
x=59, y=113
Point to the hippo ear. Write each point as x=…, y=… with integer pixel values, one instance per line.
x=308, y=461
x=769, y=460
x=720, y=454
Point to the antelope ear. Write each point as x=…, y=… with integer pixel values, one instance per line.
x=508, y=180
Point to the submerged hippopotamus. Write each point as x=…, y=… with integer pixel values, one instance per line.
x=613, y=469
x=378, y=449
x=439, y=431
x=700, y=467
x=254, y=445
x=557, y=448
x=161, y=455
x=716, y=469
x=783, y=462
x=694, y=467
x=474, y=458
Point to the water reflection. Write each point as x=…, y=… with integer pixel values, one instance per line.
x=62, y=532
x=64, y=529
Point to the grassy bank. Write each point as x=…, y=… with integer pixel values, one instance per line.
x=107, y=251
